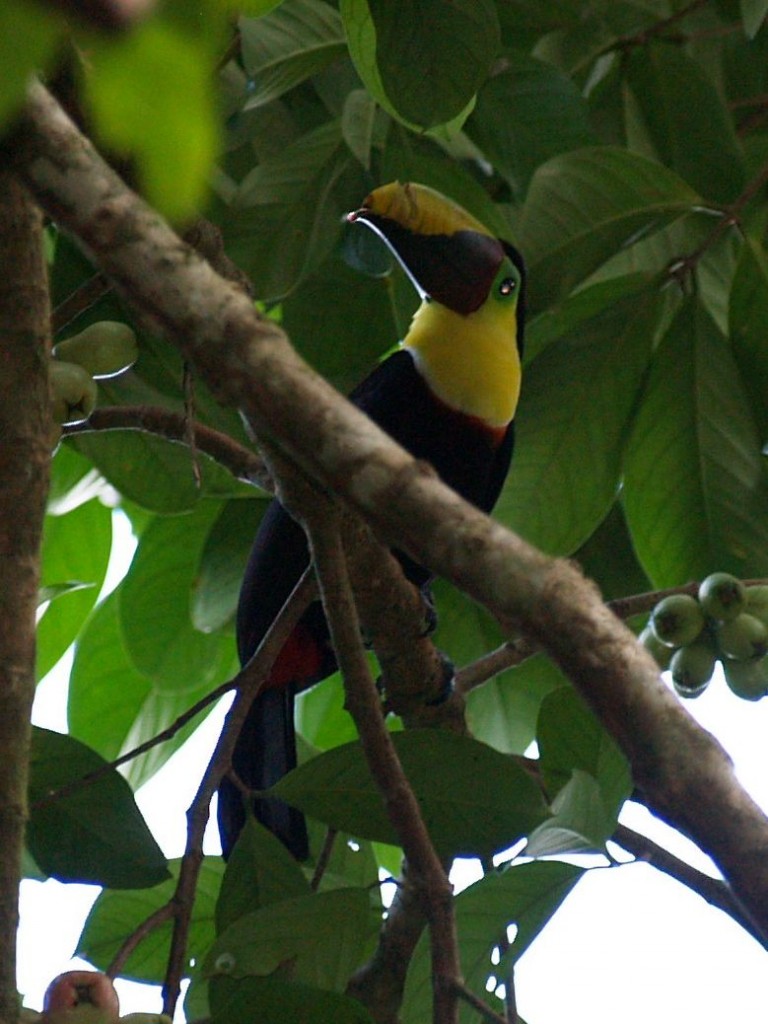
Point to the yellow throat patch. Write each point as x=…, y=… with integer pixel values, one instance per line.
x=471, y=362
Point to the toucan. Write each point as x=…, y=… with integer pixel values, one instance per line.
x=448, y=395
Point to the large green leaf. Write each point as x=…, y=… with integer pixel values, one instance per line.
x=117, y=913
x=76, y=548
x=695, y=488
x=422, y=62
x=526, y=114
x=28, y=36
x=156, y=473
x=754, y=13
x=284, y=217
x=580, y=822
x=323, y=936
x=450, y=776
x=113, y=707
x=671, y=91
x=160, y=69
x=342, y=340
x=566, y=467
x=260, y=871
x=94, y=833
x=288, y=46
x=155, y=600
x=748, y=316
x=503, y=712
x=610, y=560
x=232, y=1002
x=526, y=895
x=571, y=738
x=222, y=564
x=583, y=206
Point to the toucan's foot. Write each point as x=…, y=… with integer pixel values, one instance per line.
x=446, y=686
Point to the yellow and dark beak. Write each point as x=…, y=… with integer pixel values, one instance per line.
x=448, y=254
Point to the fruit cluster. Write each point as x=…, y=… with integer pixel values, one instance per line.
x=102, y=350
x=726, y=622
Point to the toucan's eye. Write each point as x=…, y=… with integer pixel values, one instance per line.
x=507, y=286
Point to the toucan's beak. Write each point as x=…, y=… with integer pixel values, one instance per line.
x=450, y=257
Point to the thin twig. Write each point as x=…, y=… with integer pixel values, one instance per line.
x=324, y=858
x=242, y=462
x=482, y=1008
x=137, y=936
x=219, y=764
x=714, y=890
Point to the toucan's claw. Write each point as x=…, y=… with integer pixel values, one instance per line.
x=446, y=686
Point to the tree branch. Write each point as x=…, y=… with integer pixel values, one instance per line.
x=26, y=433
x=364, y=705
x=685, y=774
x=241, y=462
x=716, y=892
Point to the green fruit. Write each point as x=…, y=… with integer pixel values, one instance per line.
x=722, y=596
x=661, y=653
x=744, y=638
x=757, y=602
x=747, y=679
x=104, y=349
x=692, y=668
x=73, y=392
x=677, y=620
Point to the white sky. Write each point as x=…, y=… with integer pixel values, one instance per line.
x=629, y=945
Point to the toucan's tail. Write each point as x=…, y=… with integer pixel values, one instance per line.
x=264, y=753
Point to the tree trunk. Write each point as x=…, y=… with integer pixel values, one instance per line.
x=25, y=442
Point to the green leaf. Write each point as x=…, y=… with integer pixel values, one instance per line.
x=671, y=91
x=464, y=813
x=526, y=895
x=570, y=737
x=550, y=117
x=583, y=206
x=76, y=546
x=155, y=473
x=503, y=712
x=747, y=316
x=118, y=913
x=320, y=715
x=222, y=564
x=565, y=471
x=753, y=12
x=155, y=599
x=46, y=594
x=260, y=871
x=284, y=218
x=580, y=823
x=423, y=63
x=324, y=937
x=288, y=46
x=695, y=489
x=93, y=834
x=157, y=68
x=357, y=124
x=341, y=340
x=610, y=560
x=28, y=37
x=113, y=708
x=280, y=1001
